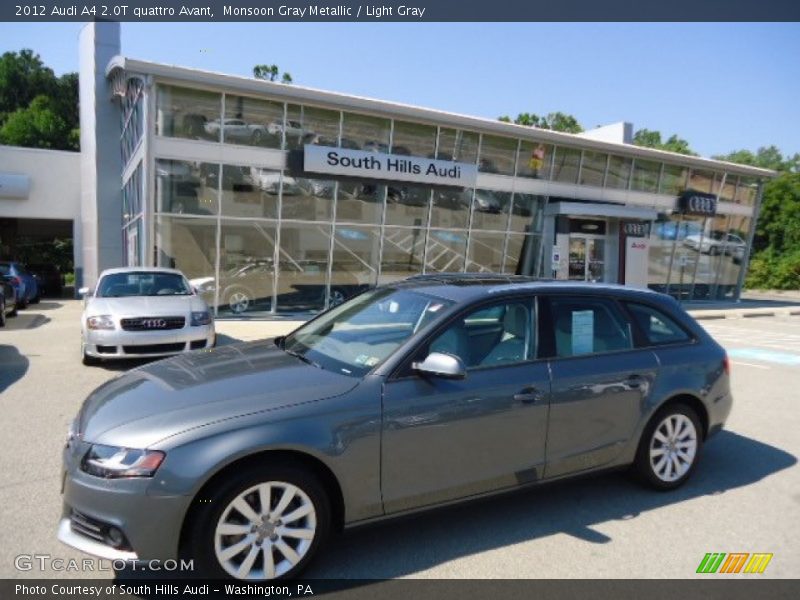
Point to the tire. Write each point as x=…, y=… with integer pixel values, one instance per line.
x=257, y=136
x=2, y=313
x=13, y=312
x=259, y=540
x=35, y=300
x=670, y=466
x=238, y=300
x=22, y=305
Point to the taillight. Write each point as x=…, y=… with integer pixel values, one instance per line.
x=726, y=365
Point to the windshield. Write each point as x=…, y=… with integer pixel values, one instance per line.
x=360, y=334
x=123, y=285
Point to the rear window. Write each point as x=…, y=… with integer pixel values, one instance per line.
x=588, y=326
x=657, y=327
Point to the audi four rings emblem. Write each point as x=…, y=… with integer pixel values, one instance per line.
x=154, y=323
x=701, y=204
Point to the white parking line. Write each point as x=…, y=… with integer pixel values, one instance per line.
x=746, y=364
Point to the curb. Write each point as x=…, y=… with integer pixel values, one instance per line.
x=744, y=313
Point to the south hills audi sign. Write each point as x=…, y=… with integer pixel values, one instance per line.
x=699, y=204
x=395, y=167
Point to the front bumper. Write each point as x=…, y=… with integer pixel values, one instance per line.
x=150, y=523
x=119, y=343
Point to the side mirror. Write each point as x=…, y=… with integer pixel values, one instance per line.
x=85, y=291
x=438, y=364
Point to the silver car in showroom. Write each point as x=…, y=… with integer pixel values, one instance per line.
x=417, y=394
x=143, y=312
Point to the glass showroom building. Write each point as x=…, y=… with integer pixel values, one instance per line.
x=220, y=179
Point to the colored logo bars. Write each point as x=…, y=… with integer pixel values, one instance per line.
x=734, y=562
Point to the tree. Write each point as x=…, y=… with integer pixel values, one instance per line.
x=652, y=139
x=271, y=73
x=769, y=157
x=40, y=125
x=37, y=109
x=556, y=121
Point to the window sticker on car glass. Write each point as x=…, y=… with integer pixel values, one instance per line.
x=361, y=359
x=582, y=331
x=371, y=361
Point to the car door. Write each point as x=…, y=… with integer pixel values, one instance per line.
x=600, y=382
x=450, y=438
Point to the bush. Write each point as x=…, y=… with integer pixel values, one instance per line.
x=769, y=270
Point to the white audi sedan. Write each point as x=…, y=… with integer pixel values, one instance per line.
x=141, y=312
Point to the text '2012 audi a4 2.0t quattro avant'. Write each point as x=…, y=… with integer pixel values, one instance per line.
x=245, y=458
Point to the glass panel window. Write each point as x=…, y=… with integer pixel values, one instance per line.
x=446, y=251
x=522, y=254
x=645, y=175
x=701, y=181
x=593, y=168
x=451, y=208
x=186, y=187
x=304, y=199
x=747, y=190
x=243, y=194
x=414, y=139
x=619, y=172
x=588, y=326
x=687, y=234
x=310, y=125
x=251, y=122
x=246, y=266
x=490, y=337
x=490, y=210
x=728, y=191
x=366, y=132
x=657, y=327
x=486, y=252
x=303, y=266
x=565, y=168
x=359, y=202
x=498, y=155
x=457, y=145
x=673, y=180
x=187, y=113
x=355, y=258
x=189, y=244
x=734, y=256
x=534, y=160
x=662, y=240
x=527, y=213
x=407, y=205
x=403, y=250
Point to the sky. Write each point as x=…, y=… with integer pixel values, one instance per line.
x=721, y=86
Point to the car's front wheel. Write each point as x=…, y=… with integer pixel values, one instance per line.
x=670, y=447
x=260, y=524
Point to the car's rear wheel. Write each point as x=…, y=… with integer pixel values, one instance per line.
x=670, y=447
x=238, y=300
x=260, y=524
x=13, y=312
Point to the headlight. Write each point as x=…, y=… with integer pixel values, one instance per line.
x=111, y=462
x=100, y=322
x=202, y=317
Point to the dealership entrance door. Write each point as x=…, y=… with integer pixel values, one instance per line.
x=586, y=257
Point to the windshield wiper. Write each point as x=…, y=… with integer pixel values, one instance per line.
x=303, y=357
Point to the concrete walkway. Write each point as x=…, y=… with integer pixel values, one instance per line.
x=753, y=304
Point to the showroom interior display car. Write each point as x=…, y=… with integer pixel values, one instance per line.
x=23, y=281
x=412, y=395
x=138, y=311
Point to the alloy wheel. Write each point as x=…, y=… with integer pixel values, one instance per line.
x=265, y=531
x=238, y=302
x=673, y=447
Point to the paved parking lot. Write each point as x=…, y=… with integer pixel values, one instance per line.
x=745, y=496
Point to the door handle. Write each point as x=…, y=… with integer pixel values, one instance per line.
x=635, y=381
x=527, y=396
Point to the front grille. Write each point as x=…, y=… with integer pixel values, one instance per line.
x=87, y=526
x=152, y=323
x=154, y=348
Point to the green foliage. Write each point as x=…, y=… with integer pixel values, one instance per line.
x=769, y=270
x=271, y=73
x=652, y=139
x=37, y=109
x=556, y=121
x=769, y=157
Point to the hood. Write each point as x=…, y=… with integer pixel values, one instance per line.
x=145, y=306
x=165, y=398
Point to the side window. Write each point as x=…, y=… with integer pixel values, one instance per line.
x=657, y=327
x=588, y=326
x=498, y=335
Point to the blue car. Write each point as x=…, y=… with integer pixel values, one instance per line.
x=23, y=282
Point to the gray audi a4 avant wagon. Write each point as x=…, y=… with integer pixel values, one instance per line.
x=247, y=457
